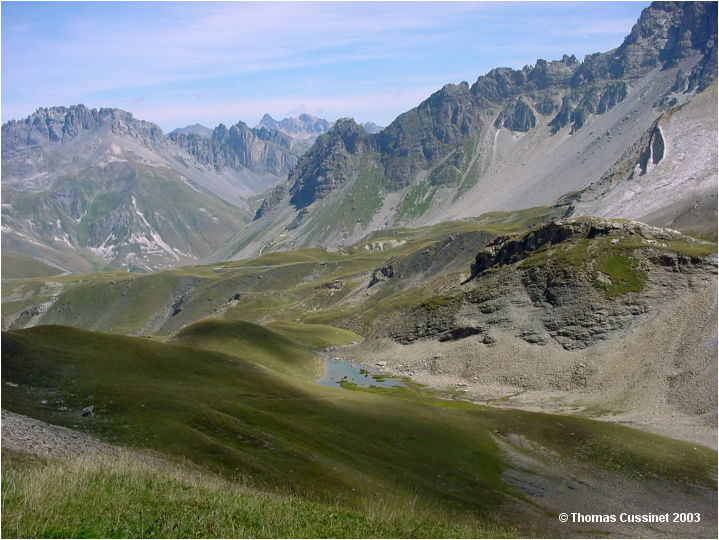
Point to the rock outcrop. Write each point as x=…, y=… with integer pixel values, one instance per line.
x=574, y=282
x=57, y=125
x=271, y=201
x=260, y=150
x=517, y=116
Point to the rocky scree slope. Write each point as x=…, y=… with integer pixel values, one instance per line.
x=669, y=177
x=514, y=139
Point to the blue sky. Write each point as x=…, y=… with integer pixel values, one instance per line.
x=177, y=63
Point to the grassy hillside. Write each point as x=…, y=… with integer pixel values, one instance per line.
x=127, y=498
x=245, y=415
x=288, y=286
x=239, y=418
x=16, y=266
x=282, y=347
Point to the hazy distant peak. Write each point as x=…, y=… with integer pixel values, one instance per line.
x=305, y=126
x=194, y=129
x=371, y=127
x=56, y=125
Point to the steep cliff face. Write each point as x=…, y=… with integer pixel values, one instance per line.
x=260, y=150
x=665, y=33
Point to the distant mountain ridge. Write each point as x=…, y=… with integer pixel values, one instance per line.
x=88, y=188
x=305, y=126
x=260, y=150
x=91, y=176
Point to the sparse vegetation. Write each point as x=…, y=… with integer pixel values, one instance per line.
x=416, y=202
x=624, y=275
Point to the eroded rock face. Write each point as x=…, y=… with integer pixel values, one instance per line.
x=509, y=249
x=272, y=201
x=565, y=303
x=653, y=153
x=382, y=274
x=518, y=116
x=56, y=125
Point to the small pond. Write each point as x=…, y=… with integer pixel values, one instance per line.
x=338, y=371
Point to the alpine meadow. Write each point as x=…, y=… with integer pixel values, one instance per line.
x=492, y=316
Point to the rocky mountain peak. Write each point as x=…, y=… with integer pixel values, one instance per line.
x=262, y=150
x=567, y=91
x=664, y=33
x=56, y=125
x=372, y=128
x=333, y=159
x=194, y=129
x=267, y=120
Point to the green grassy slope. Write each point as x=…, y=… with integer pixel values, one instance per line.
x=239, y=418
x=283, y=347
x=283, y=433
x=16, y=266
x=126, y=497
x=289, y=285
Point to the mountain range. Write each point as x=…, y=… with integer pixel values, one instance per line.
x=66, y=208
x=613, y=135
x=511, y=291
x=560, y=132
x=599, y=137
